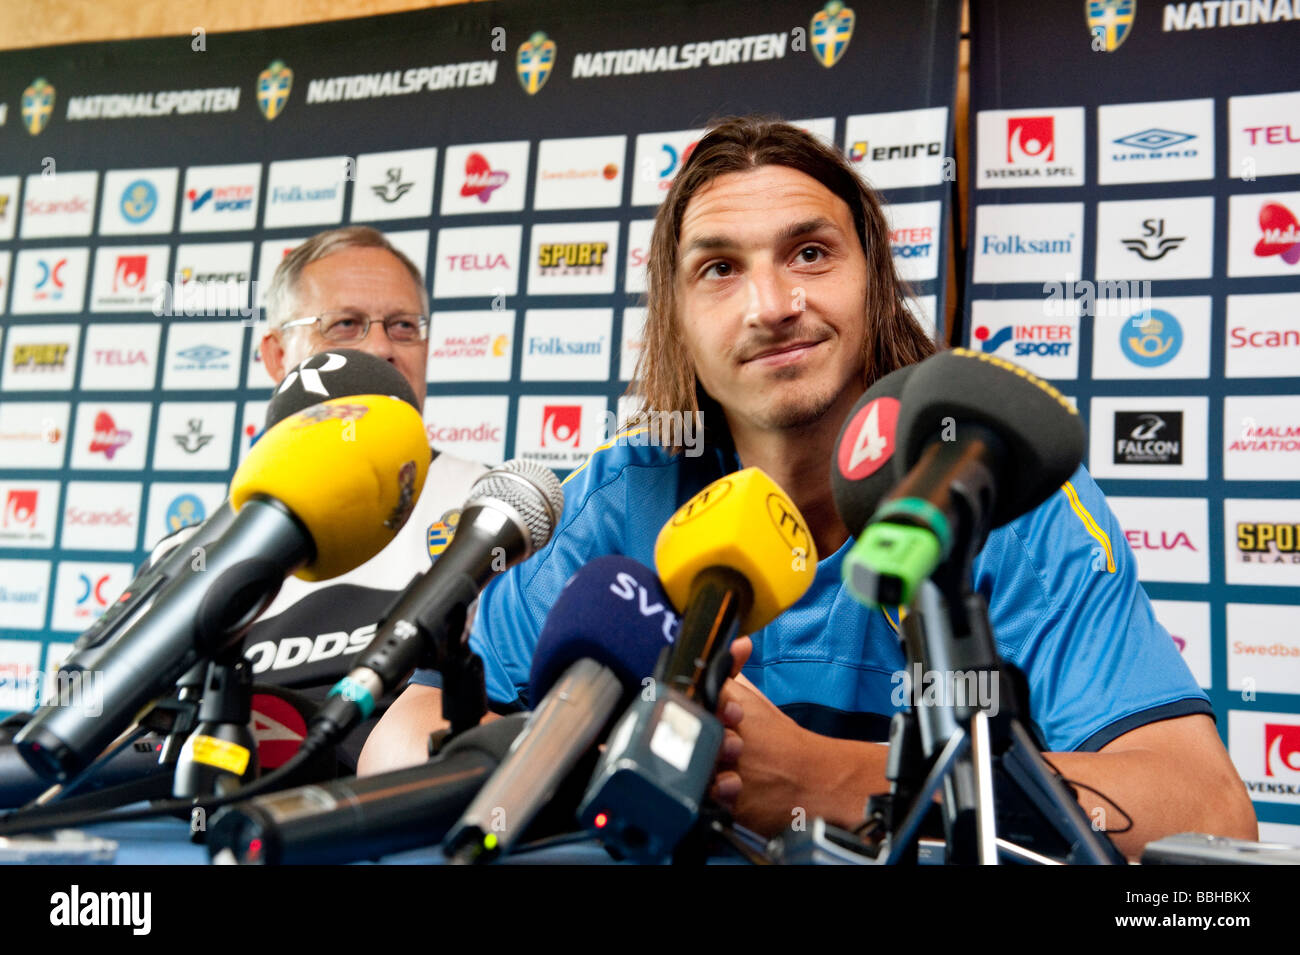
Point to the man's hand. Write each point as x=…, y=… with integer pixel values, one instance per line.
x=773, y=772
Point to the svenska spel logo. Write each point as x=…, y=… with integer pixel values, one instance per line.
x=273, y=86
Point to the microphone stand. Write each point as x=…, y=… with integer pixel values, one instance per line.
x=976, y=749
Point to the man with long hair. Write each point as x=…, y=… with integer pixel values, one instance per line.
x=773, y=304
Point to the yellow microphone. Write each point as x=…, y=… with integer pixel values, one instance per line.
x=735, y=556
x=322, y=492
x=350, y=469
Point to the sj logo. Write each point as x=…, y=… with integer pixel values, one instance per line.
x=273, y=86
x=37, y=106
x=534, y=62
x=832, y=28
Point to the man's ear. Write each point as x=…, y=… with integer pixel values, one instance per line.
x=273, y=356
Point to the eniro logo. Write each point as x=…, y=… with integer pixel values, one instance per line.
x=1151, y=338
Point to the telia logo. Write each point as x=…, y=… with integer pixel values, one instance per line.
x=481, y=180
x=1162, y=540
x=561, y=425
x=107, y=437
x=1281, y=745
x=1179, y=642
x=1281, y=233
x=1031, y=139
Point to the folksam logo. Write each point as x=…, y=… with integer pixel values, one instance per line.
x=1151, y=338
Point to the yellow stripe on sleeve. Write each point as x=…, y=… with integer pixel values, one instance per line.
x=1091, y=525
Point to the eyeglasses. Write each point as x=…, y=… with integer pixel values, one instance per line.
x=343, y=327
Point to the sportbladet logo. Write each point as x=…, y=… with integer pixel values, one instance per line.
x=1262, y=541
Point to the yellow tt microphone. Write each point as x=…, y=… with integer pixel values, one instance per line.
x=350, y=469
x=735, y=556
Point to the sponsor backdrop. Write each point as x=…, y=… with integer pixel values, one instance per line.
x=516, y=152
x=1135, y=239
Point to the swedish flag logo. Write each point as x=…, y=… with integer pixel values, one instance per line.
x=273, y=86
x=37, y=106
x=1111, y=21
x=832, y=28
x=534, y=62
x=442, y=531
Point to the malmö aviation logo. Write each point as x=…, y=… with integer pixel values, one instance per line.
x=534, y=62
x=832, y=28
x=37, y=106
x=273, y=86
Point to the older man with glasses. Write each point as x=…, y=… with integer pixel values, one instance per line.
x=351, y=288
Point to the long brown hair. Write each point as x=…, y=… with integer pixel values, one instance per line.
x=665, y=378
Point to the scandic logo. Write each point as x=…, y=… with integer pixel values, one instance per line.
x=1015, y=244
x=1264, y=338
x=77, y=205
x=450, y=434
x=20, y=508
x=118, y=517
x=1045, y=340
x=561, y=425
x=481, y=180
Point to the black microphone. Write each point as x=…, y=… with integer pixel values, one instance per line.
x=980, y=441
x=19, y=783
x=862, y=472
x=336, y=373
x=283, y=525
x=600, y=641
x=509, y=514
x=363, y=817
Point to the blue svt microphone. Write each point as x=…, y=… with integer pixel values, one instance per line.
x=602, y=638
